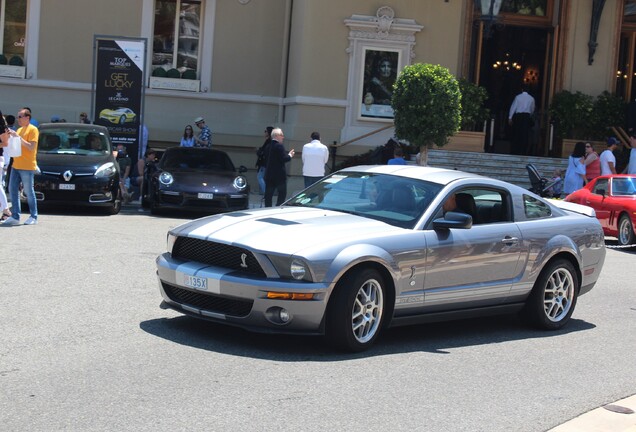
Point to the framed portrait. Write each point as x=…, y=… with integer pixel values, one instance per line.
x=379, y=74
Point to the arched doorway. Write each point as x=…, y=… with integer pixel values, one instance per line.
x=516, y=51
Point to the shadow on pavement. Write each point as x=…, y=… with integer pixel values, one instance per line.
x=436, y=338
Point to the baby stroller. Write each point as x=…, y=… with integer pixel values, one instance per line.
x=542, y=186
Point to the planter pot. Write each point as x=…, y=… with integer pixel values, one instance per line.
x=175, y=84
x=12, y=71
x=567, y=146
x=466, y=141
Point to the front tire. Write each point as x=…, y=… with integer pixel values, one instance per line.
x=625, y=231
x=356, y=311
x=553, y=296
x=115, y=208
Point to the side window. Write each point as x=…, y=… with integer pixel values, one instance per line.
x=175, y=44
x=486, y=206
x=600, y=188
x=535, y=209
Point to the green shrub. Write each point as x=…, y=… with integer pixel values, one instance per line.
x=16, y=61
x=189, y=74
x=571, y=113
x=427, y=105
x=473, y=113
x=159, y=72
x=608, y=110
x=173, y=73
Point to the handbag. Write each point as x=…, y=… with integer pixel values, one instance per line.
x=14, y=149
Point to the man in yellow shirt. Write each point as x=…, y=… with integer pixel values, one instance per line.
x=24, y=168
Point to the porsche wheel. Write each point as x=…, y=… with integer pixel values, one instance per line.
x=553, y=296
x=356, y=311
x=625, y=231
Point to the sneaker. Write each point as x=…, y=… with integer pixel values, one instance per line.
x=31, y=221
x=11, y=222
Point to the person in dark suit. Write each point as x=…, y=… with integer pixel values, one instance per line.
x=275, y=174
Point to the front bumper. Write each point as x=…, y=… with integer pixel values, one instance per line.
x=86, y=190
x=191, y=201
x=240, y=300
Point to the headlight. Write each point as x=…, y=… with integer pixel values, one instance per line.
x=106, y=170
x=297, y=269
x=171, y=239
x=240, y=182
x=166, y=178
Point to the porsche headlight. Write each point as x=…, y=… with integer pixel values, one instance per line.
x=107, y=170
x=166, y=178
x=240, y=182
x=297, y=269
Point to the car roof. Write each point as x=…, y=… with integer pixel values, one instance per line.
x=74, y=126
x=440, y=176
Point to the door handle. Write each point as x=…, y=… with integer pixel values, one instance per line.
x=510, y=240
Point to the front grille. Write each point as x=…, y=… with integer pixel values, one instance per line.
x=216, y=254
x=208, y=302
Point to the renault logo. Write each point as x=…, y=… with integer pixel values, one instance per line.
x=68, y=175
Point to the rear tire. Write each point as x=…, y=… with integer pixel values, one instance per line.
x=625, y=231
x=553, y=297
x=356, y=311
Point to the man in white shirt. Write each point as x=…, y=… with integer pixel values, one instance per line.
x=520, y=118
x=608, y=160
x=315, y=156
x=631, y=165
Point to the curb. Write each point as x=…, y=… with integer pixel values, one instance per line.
x=619, y=416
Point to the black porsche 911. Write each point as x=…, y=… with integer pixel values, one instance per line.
x=77, y=166
x=197, y=179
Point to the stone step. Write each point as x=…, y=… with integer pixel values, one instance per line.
x=510, y=168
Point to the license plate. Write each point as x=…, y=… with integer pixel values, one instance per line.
x=205, y=196
x=195, y=282
x=67, y=186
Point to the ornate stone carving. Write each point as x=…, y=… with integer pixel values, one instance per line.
x=384, y=17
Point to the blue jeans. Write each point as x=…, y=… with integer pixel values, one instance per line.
x=26, y=177
x=310, y=180
x=260, y=176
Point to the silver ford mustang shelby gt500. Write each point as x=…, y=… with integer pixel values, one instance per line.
x=376, y=246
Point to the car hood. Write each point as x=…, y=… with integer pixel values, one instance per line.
x=197, y=177
x=285, y=230
x=51, y=161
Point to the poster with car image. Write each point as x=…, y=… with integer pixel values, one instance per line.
x=119, y=90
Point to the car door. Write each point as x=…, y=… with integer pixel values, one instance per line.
x=473, y=267
x=598, y=198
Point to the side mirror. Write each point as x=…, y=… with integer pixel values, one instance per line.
x=454, y=220
x=601, y=192
x=242, y=169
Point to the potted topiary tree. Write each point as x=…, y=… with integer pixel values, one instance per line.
x=427, y=106
x=472, y=133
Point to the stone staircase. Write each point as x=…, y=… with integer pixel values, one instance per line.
x=510, y=168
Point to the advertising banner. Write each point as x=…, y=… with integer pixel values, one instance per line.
x=119, y=89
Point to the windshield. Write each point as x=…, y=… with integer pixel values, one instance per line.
x=196, y=159
x=395, y=200
x=80, y=142
x=624, y=186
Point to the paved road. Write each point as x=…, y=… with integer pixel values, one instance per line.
x=85, y=347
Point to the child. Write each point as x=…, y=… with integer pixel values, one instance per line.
x=557, y=184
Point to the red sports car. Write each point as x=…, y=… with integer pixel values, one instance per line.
x=613, y=197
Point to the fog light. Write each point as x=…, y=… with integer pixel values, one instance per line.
x=283, y=315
